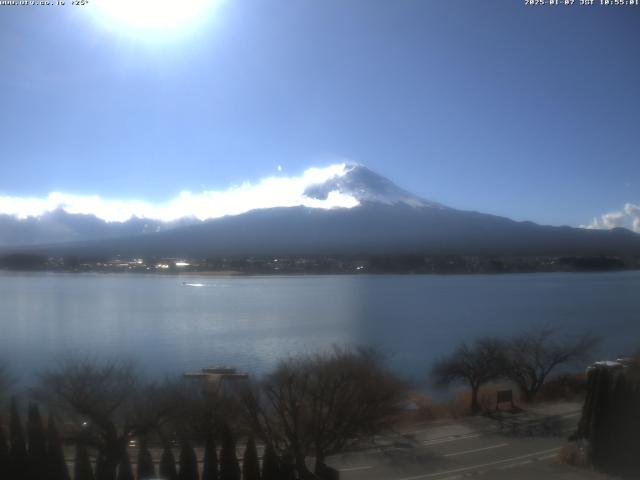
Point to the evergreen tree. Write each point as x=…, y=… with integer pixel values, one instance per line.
x=287, y=468
x=82, y=468
x=250, y=465
x=104, y=471
x=56, y=464
x=146, y=468
x=125, y=472
x=19, y=456
x=37, y=444
x=270, y=464
x=188, y=463
x=4, y=455
x=210, y=467
x=168, y=465
x=229, y=467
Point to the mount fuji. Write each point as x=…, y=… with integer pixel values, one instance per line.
x=382, y=218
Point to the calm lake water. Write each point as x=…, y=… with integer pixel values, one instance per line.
x=172, y=324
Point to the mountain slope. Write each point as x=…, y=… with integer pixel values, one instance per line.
x=367, y=187
x=368, y=229
x=59, y=226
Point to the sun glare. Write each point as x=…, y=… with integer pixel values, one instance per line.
x=152, y=15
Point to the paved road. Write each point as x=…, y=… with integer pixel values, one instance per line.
x=473, y=447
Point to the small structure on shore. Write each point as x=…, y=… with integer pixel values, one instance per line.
x=215, y=377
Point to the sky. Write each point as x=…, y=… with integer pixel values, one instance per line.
x=522, y=111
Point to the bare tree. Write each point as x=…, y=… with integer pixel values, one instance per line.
x=109, y=405
x=474, y=365
x=172, y=408
x=532, y=356
x=100, y=400
x=186, y=409
x=97, y=398
x=324, y=403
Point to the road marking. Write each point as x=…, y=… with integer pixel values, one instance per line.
x=474, y=467
x=525, y=462
x=380, y=449
x=353, y=469
x=570, y=415
x=438, y=441
x=475, y=450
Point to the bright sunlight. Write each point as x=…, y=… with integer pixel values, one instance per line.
x=153, y=16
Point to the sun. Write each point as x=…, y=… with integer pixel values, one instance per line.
x=152, y=15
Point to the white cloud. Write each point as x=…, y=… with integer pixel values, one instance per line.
x=269, y=192
x=628, y=217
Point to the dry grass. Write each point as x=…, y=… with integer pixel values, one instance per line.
x=459, y=406
x=564, y=387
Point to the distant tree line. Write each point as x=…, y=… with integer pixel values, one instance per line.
x=365, y=263
x=23, y=261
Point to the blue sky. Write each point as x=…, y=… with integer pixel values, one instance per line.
x=529, y=112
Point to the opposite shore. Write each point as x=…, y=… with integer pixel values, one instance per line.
x=318, y=265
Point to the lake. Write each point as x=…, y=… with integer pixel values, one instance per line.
x=171, y=324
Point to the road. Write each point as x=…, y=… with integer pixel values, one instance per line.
x=470, y=447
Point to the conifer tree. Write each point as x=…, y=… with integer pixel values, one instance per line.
x=82, y=468
x=125, y=472
x=4, y=455
x=18, y=463
x=36, y=438
x=168, y=465
x=210, y=467
x=287, y=468
x=56, y=464
x=250, y=464
x=188, y=463
x=229, y=467
x=270, y=464
x=104, y=471
x=146, y=468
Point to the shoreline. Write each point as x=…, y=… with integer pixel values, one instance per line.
x=237, y=273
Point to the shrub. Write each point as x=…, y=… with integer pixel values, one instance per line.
x=168, y=465
x=210, y=467
x=56, y=464
x=82, y=468
x=125, y=472
x=564, y=387
x=188, y=463
x=146, y=469
x=229, y=467
x=250, y=465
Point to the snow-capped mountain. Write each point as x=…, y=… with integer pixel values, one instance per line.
x=375, y=217
x=366, y=187
x=337, y=186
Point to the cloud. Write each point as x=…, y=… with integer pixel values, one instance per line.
x=628, y=217
x=279, y=191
